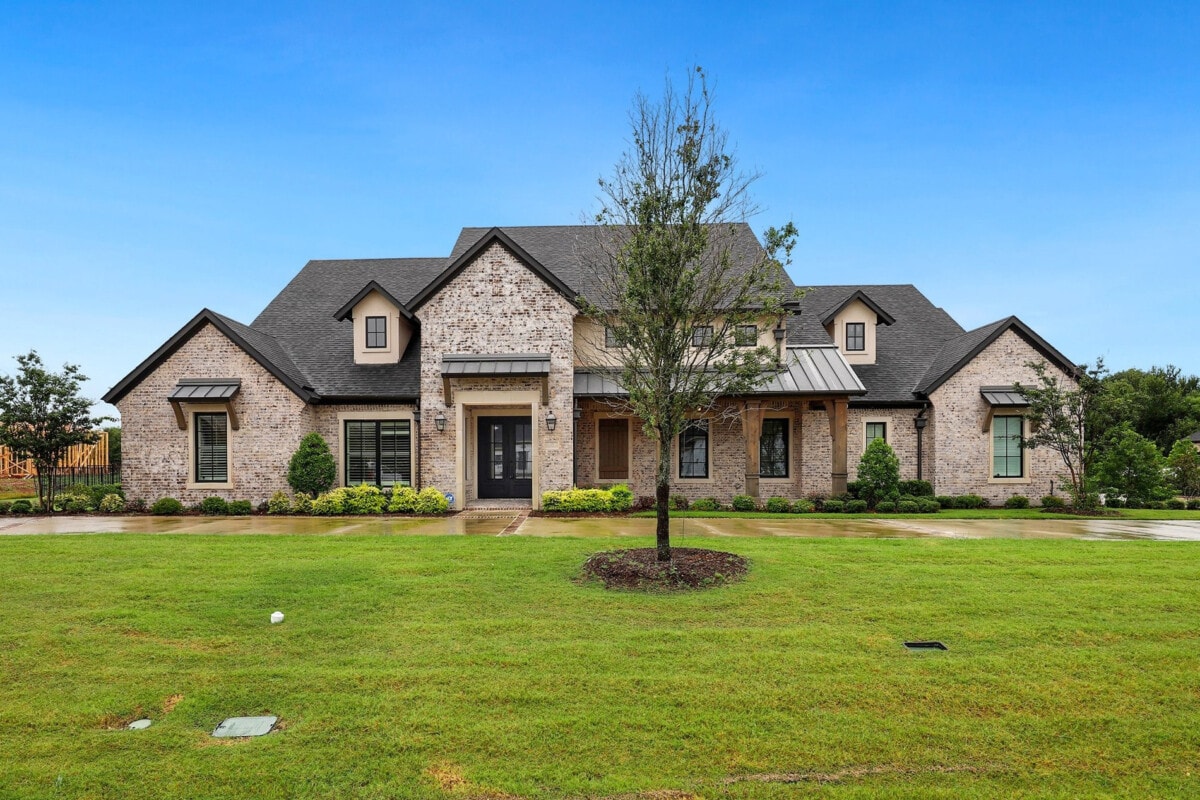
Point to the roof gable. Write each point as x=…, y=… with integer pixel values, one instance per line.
x=344, y=312
x=960, y=351
x=861, y=296
x=259, y=346
x=493, y=236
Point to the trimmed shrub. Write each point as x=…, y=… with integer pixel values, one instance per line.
x=431, y=501
x=166, y=506
x=945, y=500
x=1134, y=502
x=5, y=506
x=927, y=505
x=78, y=504
x=909, y=498
x=112, y=504
x=778, y=505
x=329, y=504
x=1053, y=502
x=886, y=507
x=574, y=500
x=679, y=502
x=279, y=503
x=364, y=499
x=302, y=504
x=1194, y=504
x=706, y=504
x=1175, y=504
x=214, y=506
x=22, y=506
x=743, y=502
x=833, y=506
x=803, y=506
x=239, y=508
x=852, y=489
x=856, y=507
x=908, y=507
x=137, y=504
x=622, y=497
x=1156, y=505
x=969, y=501
x=404, y=500
x=103, y=490
x=917, y=488
x=1017, y=501
x=644, y=503
x=878, y=472
x=312, y=469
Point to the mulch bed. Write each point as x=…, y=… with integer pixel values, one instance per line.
x=689, y=568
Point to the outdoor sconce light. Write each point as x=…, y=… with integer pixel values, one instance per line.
x=779, y=334
x=551, y=421
x=578, y=410
x=440, y=421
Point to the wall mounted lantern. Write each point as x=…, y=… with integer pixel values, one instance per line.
x=440, y=421
x=551, y=421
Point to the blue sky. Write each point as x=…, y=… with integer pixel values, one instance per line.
x=1033, y=159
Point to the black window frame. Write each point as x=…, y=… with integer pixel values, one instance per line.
x=702, y=335
x=745, y=336
x=612, y=341
x=377, y=437
x=198, y=450
x=784, y=458
x=867, y=438
x=376, y=333
x=697, y=430
x=860, y=336
x=1007, y=456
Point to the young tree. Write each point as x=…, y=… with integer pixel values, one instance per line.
x=1131, y=466
x=312, y=469
x=42, y=416
x=1184, y=466
x=670, y=265
x=1061, y=417
x=878, y=472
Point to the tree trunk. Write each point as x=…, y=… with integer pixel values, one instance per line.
x=662, y=498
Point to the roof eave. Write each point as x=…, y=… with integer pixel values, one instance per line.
x=344, y=312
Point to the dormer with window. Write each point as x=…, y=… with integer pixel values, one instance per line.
x=852, y=325
x=383, y=327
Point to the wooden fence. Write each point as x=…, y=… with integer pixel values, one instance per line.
x=81, y=455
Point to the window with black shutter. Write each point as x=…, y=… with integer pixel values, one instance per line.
x=211, y=447
x=378, y=452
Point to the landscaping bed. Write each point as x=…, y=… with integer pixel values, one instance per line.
x=689, y=568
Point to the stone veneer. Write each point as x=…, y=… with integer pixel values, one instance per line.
x=964, y=448
x=497, y=305
x=273, y=420
x=901, y=435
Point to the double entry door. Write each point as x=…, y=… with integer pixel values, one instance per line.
x=505, y=457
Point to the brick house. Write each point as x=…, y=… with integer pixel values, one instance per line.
x=477, y=374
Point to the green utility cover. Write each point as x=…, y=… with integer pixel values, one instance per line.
x=235, y=727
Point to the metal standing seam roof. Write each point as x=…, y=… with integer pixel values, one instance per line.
x=194, y=389
x=818, y=370
x=462, y=364
x=1002, y=396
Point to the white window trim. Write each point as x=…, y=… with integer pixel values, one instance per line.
x=1027, y=478
x=208, y=408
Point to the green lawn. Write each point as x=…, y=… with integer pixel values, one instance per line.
x=949, y=513
x=406, y=660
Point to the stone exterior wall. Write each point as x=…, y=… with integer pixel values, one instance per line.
x=817, y=456
x=497, y=305
x=325, y=421
x=155, y=453
x=963, y=447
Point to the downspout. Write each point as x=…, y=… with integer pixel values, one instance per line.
x=417, y=449
x=577, y=412
x=920, y=422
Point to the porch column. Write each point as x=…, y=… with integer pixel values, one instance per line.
x=752, y=416
x=837, y=432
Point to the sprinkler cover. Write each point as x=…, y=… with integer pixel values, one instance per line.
x=236, y=727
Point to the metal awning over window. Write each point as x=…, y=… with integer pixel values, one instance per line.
x=205, y=390
x=1002, y=397
x=502, y=365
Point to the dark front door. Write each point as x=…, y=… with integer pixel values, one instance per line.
x=505, y=457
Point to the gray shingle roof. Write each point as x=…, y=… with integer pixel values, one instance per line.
x=301, y=319
x=904, y=349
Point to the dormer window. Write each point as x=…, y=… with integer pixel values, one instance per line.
x=377, y=332
x=856, y=336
